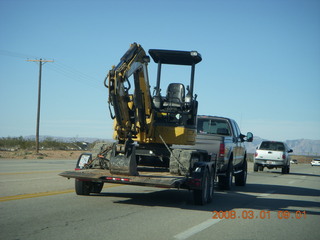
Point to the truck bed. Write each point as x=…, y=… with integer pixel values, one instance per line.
x=148, y=176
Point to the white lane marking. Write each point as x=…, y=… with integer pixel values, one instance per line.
x=266, y=194
x=195, y=229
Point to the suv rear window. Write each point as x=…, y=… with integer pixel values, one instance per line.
x=274, y=146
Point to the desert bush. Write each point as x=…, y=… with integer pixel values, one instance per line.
x=16, y=142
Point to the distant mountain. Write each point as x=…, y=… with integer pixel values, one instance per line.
x=68, y=139
x=305, y=146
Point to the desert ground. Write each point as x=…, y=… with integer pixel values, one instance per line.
x=43, y=154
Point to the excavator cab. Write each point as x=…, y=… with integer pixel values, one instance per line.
x=179, y=104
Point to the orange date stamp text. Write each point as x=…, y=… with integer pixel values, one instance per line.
x=260, y=214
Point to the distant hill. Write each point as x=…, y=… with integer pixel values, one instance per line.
x=299, y=146
x=305, y=146
x=68, y=139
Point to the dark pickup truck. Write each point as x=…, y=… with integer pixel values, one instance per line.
x=222, y=136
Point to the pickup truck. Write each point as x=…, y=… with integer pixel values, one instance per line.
x=221, y=136
x=272, y=154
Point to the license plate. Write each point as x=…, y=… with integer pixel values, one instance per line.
x=271, y=162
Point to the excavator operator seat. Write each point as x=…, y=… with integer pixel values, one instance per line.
x=175, y=96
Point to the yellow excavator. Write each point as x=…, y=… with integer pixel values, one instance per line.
x=154, y=133
x=153, y=122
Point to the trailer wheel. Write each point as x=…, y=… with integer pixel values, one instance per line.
x=203, y=195
x=97, y=187
x=241, y=178
x=225, y=182
x=83, y=187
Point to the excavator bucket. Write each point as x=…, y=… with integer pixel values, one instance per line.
x=124, y=163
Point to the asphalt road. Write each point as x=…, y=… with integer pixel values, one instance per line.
x=36, y=203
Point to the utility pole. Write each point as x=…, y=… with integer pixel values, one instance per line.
x=41, y=62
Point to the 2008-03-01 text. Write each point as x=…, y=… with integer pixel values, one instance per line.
x=262, y=214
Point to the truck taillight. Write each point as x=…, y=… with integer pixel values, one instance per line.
x=221, y=150
x=283, y=156
x=256, y=154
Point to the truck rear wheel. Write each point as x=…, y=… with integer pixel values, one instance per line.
x=255, y=167
x=285, y=170
x=211, y=187
x=83, y=187
x=241, y=178
x=205, y=194
x=225, y=182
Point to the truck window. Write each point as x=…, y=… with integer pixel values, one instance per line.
x=274, y=146
x=236, y=128
x=213, y=126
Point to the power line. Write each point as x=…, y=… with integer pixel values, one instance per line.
x=62, y=69
x=76, y=75
x=41, y=62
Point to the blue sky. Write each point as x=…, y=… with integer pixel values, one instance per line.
x=261, y=61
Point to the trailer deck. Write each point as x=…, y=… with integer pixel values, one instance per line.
x=148, y=176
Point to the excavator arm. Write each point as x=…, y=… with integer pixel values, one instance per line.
x=130, y=110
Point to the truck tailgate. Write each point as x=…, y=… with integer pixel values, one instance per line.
x=208, y=142
x=269, y=155
x=163, y=179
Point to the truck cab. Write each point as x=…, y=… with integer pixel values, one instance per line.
x=222, y=136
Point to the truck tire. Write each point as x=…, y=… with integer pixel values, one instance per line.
x=97, y=187
x=205, y=194
x=211, y=187
x=240, y=179
x=225, y=182
x=285, y=170
x=255, y=167
x=83, y=187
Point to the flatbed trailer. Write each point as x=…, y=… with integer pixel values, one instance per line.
x=200, y=179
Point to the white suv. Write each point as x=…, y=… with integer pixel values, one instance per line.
x=272, y=154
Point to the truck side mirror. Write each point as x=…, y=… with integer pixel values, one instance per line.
x=249, y=137
x=290, y=151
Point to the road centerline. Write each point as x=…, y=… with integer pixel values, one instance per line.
x=43, y=194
